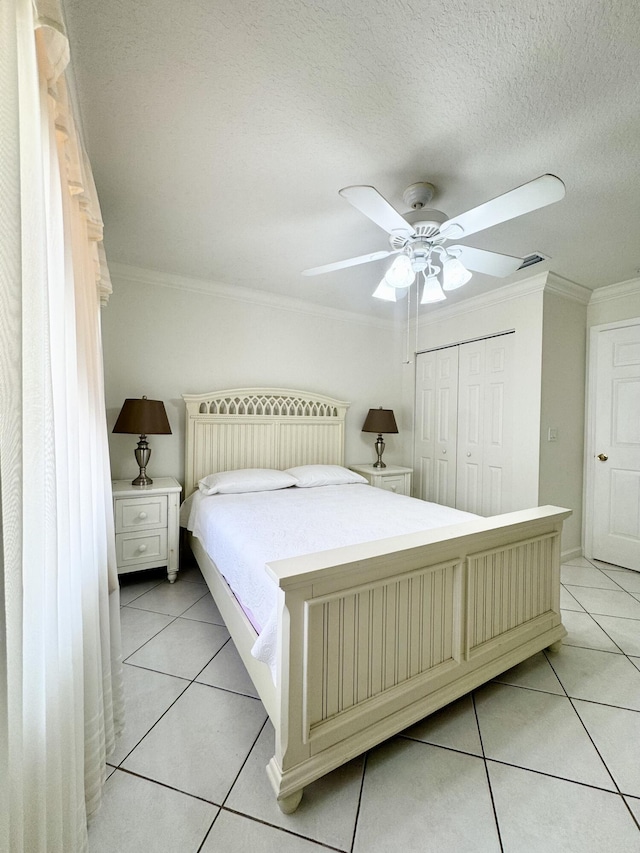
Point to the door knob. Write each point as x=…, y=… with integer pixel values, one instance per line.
x=602, y=457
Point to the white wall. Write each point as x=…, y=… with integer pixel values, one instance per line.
x=562, y=409
x=164, y=337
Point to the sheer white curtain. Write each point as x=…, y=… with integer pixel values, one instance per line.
x=60, y=667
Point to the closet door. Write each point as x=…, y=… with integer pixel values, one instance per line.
x=436, y=425
x=484, y=464
x=470, y=427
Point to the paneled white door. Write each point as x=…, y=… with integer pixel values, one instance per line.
x=616, y=460
x=436, y=425
x=463, y=426
x=484, y=463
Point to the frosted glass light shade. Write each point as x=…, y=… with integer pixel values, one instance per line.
x=454, y=274
x=432, y=292
x=386, y=292
x=400, y=274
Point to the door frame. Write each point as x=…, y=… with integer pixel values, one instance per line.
x=590, y=450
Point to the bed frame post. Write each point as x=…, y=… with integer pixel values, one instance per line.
x=290, y=749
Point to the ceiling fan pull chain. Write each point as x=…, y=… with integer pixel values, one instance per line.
x=417, y=290
x=407, y=360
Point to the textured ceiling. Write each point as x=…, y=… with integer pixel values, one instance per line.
x=220, y=133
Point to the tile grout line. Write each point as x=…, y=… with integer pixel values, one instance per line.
x=582, y=723
x=224, y=807
x=615, y=793
x=623, y=797
x=620, y=587
x=486, y=771
x=148, y=640
x=609, y=636
x=355, y=823
x=281, y=829
x=600, y=589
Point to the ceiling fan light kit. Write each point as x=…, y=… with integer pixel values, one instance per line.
x=418, y=238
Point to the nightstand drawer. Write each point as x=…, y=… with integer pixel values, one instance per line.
x=391, y=478
x=133, y=548
x=140, y=514
x=393, y=484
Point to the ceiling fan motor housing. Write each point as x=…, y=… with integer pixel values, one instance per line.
x=426, y=224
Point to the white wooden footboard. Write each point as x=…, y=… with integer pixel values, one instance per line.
x=374, y=637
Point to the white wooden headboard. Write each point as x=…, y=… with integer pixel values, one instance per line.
x=260, y=428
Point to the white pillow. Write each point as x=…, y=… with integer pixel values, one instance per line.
x=308, y=476
x=245, y=480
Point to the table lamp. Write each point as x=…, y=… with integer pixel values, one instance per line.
x=143, y=417
x=380, y=420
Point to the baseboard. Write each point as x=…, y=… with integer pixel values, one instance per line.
x=565, y=556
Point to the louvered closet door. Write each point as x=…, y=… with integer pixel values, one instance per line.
x=435, y=425
x=484, y=465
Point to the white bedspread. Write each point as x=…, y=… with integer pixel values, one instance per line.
x=243, y=532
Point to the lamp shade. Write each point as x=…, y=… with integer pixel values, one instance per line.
x=380, y=420
x=143, y=417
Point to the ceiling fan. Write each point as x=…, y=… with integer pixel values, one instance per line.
x=418, y=238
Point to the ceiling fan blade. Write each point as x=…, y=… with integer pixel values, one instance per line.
x=369, y=201
x=531, y=196
x=491, y=263
x=350, y=262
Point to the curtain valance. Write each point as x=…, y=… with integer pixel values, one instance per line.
x=53, y=59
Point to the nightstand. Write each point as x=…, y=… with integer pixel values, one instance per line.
x=393, y=478
x=147, y=525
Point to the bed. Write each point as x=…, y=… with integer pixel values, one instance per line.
x=370, y=637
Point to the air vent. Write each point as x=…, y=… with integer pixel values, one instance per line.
x=532, y=259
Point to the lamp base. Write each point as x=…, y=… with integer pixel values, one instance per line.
x=142, y=454
x=142, y=479
x=379, y=450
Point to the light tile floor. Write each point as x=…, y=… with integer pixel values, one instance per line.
x=545, y=758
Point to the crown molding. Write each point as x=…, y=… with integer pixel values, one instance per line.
x=542, y=282
x=568, y=289
x=535, y=284
x=138, y=275
x=616, y=291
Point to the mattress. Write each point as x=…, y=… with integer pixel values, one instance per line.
x=242, y=532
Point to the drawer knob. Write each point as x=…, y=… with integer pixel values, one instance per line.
x=142, y=515
x=142, y=547
x=394, y=488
